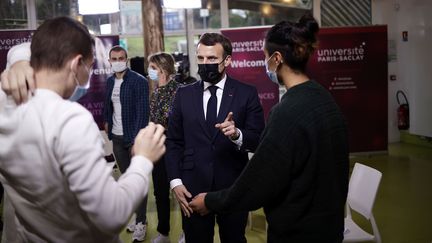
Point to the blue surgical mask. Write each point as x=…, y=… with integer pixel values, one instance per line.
x=78, y=93
x=153, y=74
x=272, y=74
x=81, y=90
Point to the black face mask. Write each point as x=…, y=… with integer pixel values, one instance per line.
x=210, y=72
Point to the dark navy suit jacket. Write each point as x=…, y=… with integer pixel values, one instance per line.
x=206, y=161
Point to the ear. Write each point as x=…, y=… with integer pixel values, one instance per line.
x=75, y=62
x=278, y=57
x=227, y=61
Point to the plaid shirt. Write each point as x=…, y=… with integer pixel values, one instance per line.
x=134, y=99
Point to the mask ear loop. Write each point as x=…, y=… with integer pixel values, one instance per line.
x=72, y=65
x=277, y=63
x=75, y=74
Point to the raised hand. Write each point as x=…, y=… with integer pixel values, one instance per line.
x=228, y=127
x=150, y=142
x=19, y=81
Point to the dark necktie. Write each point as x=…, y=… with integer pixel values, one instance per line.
x=212, y=108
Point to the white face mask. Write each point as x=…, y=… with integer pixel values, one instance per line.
x=153, y=74
x=118, y=67
x=81, y=90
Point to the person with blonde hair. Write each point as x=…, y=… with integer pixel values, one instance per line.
x=161, y=69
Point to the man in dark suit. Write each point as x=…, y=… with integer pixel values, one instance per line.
x=213, y=125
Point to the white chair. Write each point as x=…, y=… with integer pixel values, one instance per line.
x=363, y=187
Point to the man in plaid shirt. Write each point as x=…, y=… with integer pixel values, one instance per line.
x=126, y=111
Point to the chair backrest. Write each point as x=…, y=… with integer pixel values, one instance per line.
x=363, y=187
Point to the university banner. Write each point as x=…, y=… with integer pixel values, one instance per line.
x=8, y=39
x=351, y=62
x=94, y=98
x=248, y=63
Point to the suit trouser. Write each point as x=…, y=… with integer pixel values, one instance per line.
x=200, y=229
x=162, y=193
x=122, y=154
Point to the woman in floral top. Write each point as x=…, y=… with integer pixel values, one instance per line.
x=162, y=70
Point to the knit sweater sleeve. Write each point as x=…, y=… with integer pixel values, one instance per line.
x=267, y=174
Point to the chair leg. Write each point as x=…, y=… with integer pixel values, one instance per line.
x=347, y=210
x=250, y=220
x=375, y=230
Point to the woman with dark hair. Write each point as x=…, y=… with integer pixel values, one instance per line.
x=162, y=70
x=299, y=172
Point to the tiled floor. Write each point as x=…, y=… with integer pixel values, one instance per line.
x=402, y=208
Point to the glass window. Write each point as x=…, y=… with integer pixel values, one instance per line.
x=178, y=43
x=253, y=13
x=175, y=44
x=13, y=14
x=50, y=9
x=209, y=17
x=134, y=46
x=173, y=19
x=102, y=24
x=131, y=17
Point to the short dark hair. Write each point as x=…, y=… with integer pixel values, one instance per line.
x=117, y=48
x=211, y=39
x=164, y=61
x=57, y=40
x=295, y=41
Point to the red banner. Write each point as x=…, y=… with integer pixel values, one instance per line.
x=94, y=99
x=8, y=39
x=248, y=63
x=351, y=63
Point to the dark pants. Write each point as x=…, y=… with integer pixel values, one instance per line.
x=200, y=229
x=161, y=193
x=122, y=154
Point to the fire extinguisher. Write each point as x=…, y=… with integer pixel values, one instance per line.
x=402, y=112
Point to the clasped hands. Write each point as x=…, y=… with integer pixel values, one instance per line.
x=197, y=204
x=227, y=127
